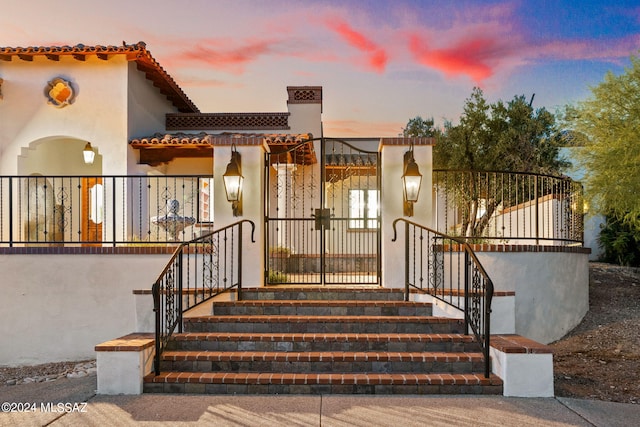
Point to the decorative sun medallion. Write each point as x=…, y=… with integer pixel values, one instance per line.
x=59, y=92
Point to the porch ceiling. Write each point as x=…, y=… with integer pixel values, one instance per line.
x=283, y=152
x=162, y=148
x=159, y=148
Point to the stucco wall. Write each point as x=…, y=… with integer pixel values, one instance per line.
x=305, y=118
x=551, y=289
x=97, y=115
x=58, y=307
x=392, y=206
x=114, y=101
x=147, y=107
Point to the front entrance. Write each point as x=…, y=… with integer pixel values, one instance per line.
x=322, y=213
x=92, y=209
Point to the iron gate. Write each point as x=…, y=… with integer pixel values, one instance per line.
x=322, y=213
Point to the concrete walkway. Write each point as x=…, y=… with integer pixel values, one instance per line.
x=365, y=411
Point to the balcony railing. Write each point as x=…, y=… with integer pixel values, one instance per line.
x=509, y=207
x=103, y=210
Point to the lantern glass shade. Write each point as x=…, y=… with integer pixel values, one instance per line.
x=233, y=181
x=88, y=154
x=411, y=181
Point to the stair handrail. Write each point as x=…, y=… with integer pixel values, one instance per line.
x=197, y=271
x=437, y=255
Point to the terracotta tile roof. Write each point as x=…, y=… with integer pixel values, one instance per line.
x=134, y=52
x=203, y=138
x=169, y=139
x=161, y=148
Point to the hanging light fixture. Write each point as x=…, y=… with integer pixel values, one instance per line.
x=233, y=181
x=411, y=181
x=88, y=154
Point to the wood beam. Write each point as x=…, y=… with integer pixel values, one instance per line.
x=79, y=57
x=5, y=57
x=157, y=156
x=103, y=56
x=52, y=57
x=28, y=58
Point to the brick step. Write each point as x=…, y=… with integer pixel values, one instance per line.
x=322, y=308
x=338, y=361
x=321, y=383
x=324, y=324
x=322, y=293
x=235, y=341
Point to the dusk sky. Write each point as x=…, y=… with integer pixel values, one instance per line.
x=380, y=62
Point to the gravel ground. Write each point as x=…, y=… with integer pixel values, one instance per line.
x=46, y=372
x=600, y=358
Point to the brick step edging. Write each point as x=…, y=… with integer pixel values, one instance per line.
x=323, y=303
x=324, y=378
x=265, y=318
x=313, y=337
x=330, y=356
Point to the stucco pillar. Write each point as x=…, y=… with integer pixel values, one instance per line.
x=283, y=195
x=392, y=162
x=252, y=158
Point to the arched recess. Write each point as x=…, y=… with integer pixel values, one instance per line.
x=58, y=155
x=75, y=189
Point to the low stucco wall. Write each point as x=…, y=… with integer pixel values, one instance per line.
x=551, y=287
x=58, y=307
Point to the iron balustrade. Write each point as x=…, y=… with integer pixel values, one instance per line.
x=198, y=270
x=103, y=210
x=509, y=207
x=447, y=269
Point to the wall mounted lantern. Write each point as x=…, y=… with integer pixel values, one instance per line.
x=411, y=180
x=88, y=154
x=233, y=182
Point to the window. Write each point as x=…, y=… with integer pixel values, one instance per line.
x=363, y=209
x=205, y=200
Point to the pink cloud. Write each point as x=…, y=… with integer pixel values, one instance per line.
x=377, y=57
x=205, y=83
x=227, y=57
x=477, y=58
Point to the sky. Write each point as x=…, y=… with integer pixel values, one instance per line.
x=380, y=63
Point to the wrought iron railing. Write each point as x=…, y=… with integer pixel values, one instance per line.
x=509, y=207
x=197, y=271
x=106, y=210
x=447, y=268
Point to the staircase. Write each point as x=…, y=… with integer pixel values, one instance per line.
x=328, y=340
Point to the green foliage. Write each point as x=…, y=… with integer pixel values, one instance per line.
x=610, y=122
x=620, y=242
x=279, y=250
x=419, y=127
x=277, y=277
x=508, y=137
x=511, y=137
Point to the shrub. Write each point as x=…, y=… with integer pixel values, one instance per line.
x=620, y=242
x=277, y=277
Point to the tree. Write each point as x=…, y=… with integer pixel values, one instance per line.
x=419, y=127
x=511, y=137
x=610, y=121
